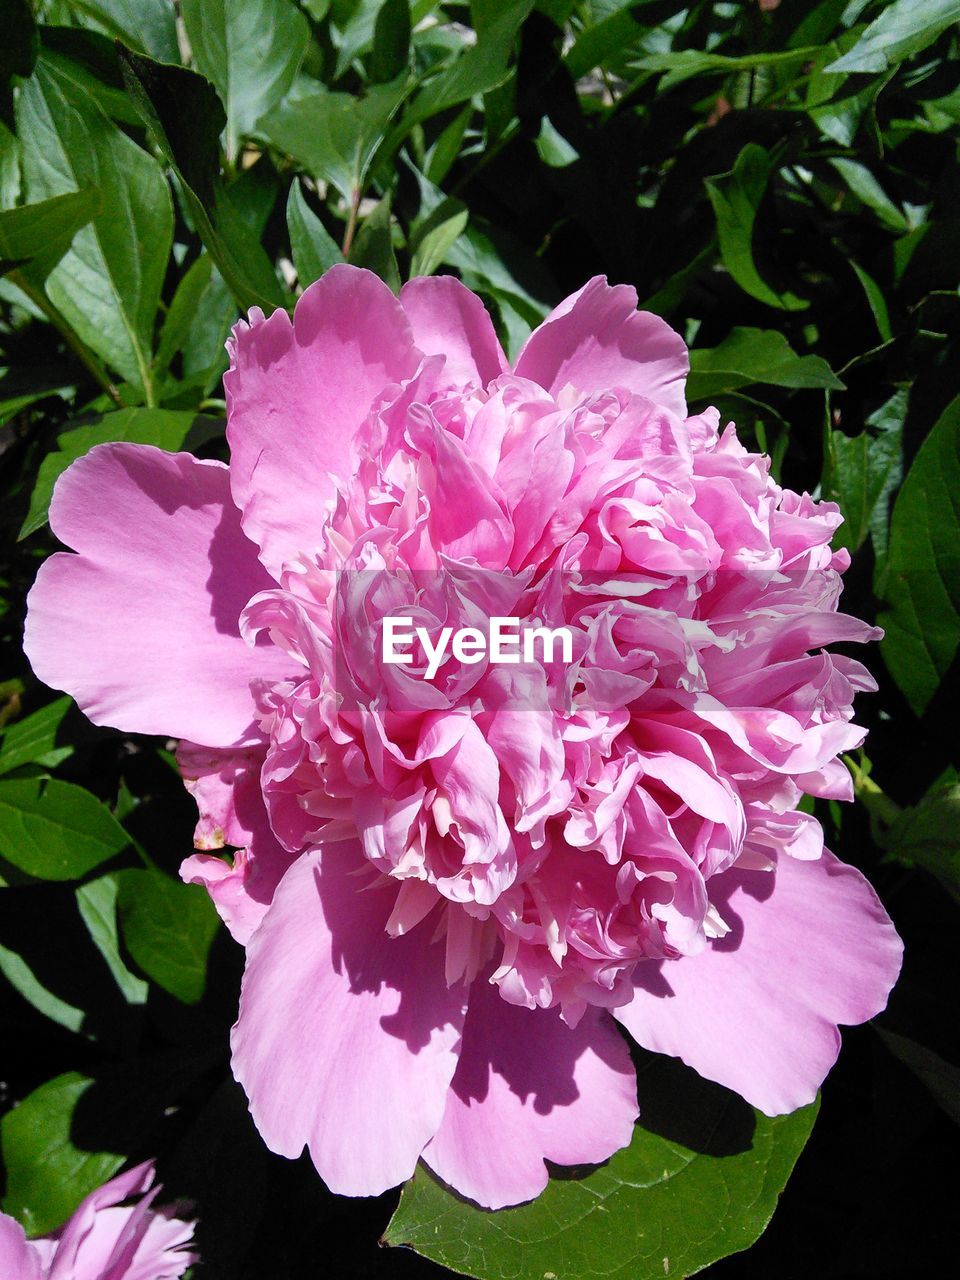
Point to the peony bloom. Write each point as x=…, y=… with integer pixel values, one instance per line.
x=451, y=890
x=105, y=1239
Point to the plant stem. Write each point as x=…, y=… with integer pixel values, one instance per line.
x=351, y=223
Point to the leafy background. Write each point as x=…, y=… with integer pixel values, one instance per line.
x=780, y=181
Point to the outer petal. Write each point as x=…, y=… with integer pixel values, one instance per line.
x=529, y=1088
x=810, y=947
x=141, y=626
x=298, y=392
x=347, y=1038
x=596, y=339
x=18, y=1258
x=449, y=320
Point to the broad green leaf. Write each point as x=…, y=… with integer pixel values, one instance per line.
x=147, y=25
x=167, y=928
x=250, y=51
x=699, y=1182
x=74, y=1132
x=904, y=28
x=736, y=199
x=34, y=237
x=185, y=117
x=97, y=903
x=48, y=1173
x=108, y=283
x=862, y=471
x=54, y=830
x=391, y=41
x=754, y=355
x=22, y=978
x=928, y=836
x=34, y=739
x=314, y=249
x=436, y=236
x=334, y=136
x=479, y=69
x=921, y=579
x=373, y=246
x=164, y=428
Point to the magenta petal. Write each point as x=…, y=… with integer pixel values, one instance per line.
x=347, y=1038
x=529, y=1088
x=596, y=339
x=810, y=947
x=449, y=320
x=19, y=1260
x=142, y=626
x=298, y=391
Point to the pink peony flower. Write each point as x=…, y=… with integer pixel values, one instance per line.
x=452, y=889
x=105, y=1239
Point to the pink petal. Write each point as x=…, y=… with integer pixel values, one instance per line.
x=298, y=391
x=529, y=1088
x=18, y=1258
x=448, y=320
x=142, y=626
x=347, y=1038
x=810, y=947
x=596, y=339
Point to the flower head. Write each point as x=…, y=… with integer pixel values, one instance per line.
x=453, y=876
x=105, y=1239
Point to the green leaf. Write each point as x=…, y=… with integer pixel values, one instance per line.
x=164, y=428
x=875, y=300
x=479, y=69
x=108, y=283
x=47, y=1173
x=736, y=199
x=921, y=579
x=686, y=63
x=34, y=237
x=22, y=978
x=314, y=249
x=373, y=247
x=97, y=903
x=185, y=117
x=867, y=189
x=167, y=928
x=183, y=308
x=904, y=28
x=54, y=830
x=862, y=472
x=699, y=1182
x=748, y=356
x=250, y=50
x=928, y=836
x=436, y=236
x=34, y=739
x=941, y=1078
x=391, y=41
x=334, y=136
x=147, y=25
